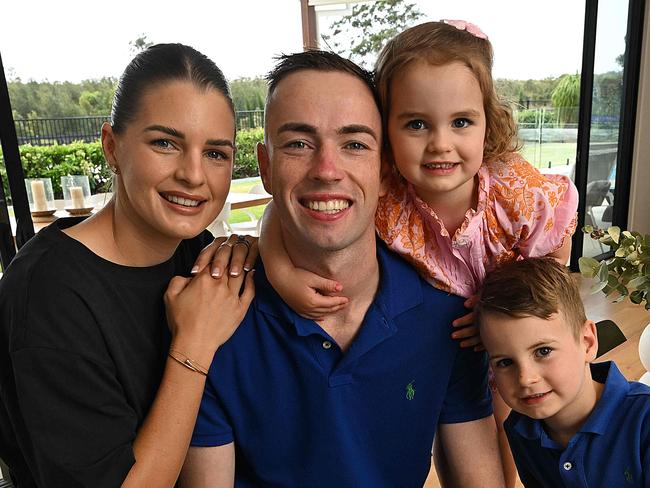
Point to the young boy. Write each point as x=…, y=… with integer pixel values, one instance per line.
x=573, y=423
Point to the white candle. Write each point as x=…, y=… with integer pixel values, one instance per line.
x=38, y=196
x=77, y=197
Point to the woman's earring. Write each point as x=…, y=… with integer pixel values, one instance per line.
x=115, y=170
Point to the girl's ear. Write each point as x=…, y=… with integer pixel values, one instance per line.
x=589, y=338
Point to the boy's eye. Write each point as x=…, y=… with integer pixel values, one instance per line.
x=543, y=351
x=416, y=124
x=503, y=363
x=461, y=123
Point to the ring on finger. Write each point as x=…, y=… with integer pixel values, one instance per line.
x=243, y=240
x=227, y=243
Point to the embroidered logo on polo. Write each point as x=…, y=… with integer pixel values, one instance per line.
x=628, y=476
x=410, y=390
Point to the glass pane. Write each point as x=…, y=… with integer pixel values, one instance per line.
x=605, y=118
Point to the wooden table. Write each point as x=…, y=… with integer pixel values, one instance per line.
x=243, y=200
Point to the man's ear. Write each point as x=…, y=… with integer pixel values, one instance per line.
x=263, y=162
x=589, y=337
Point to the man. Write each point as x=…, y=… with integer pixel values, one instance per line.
x=355, y=399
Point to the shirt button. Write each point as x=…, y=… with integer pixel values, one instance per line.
x=567, y=466
x=327, y=344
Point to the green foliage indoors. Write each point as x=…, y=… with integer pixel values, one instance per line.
x=88, y=159
x=360, y=35
x=627, y=273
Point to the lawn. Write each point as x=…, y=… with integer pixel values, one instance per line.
x=551, y=153
x=243, y=186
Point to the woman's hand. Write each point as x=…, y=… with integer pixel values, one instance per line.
x=235, y=253
x=468, y=331
x=203, y=313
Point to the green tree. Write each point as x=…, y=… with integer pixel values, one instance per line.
x=55, y=99
x=361, y=34
x=248, y=94
x=140, y=43
x=95, y=102
x=608, y=93
x=566, y=98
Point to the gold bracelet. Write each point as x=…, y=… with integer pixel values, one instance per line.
x=181, y=358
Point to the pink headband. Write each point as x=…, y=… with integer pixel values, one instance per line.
x=466, y=26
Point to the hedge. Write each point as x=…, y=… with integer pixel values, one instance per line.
x=81, y=158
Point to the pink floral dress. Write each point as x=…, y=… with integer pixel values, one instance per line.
x=520, y=213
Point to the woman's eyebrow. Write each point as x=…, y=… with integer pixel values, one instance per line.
x=167, y=130
x=180, y=135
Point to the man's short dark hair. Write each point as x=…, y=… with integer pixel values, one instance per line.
x=314, y=59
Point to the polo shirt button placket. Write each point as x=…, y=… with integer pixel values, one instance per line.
x=567, y=466
x=327, y=344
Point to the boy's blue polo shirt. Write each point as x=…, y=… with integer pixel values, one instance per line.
x=612, y=449
x=301, y=413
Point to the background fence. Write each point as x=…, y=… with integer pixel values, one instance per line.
x=64, y=130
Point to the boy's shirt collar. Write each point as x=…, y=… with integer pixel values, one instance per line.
x=615, y=391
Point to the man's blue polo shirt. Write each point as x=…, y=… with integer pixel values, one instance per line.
x=612, y=449
x=301, y=413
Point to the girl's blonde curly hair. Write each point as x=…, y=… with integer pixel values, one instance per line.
x=439, y=43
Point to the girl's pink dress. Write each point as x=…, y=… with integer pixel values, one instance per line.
x=520, y=213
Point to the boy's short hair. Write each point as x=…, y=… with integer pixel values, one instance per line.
x=537, y=287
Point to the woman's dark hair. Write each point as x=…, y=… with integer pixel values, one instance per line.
x=161, y=63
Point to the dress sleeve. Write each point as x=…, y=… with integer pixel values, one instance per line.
x=537, y=210
x=79, y=425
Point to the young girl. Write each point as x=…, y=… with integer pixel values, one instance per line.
x=460, y=199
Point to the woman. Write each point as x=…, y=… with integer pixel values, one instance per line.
x=97, y=392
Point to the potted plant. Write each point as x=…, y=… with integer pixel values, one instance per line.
x=627, y=273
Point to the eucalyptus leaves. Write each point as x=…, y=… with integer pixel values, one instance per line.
x=627, y=272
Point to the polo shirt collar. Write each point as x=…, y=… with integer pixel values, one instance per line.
x=608, y=406
x=399, y=290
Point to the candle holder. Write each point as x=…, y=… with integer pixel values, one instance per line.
x=41, y=199
x=76, y=191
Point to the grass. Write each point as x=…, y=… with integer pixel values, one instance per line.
x=550, y=153
x=243, y=186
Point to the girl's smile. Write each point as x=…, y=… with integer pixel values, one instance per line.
x=436, y=128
